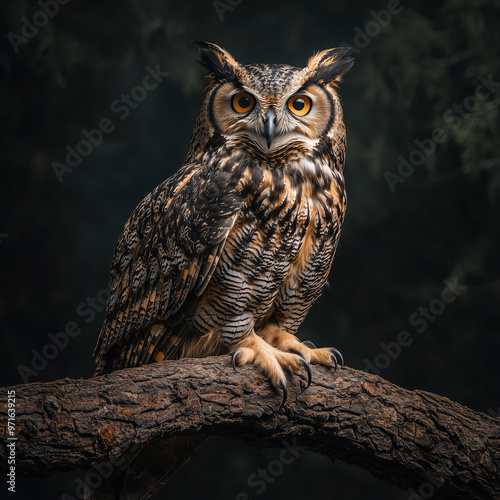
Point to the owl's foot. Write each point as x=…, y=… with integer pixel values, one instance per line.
x=327, y=356
x=273, y=362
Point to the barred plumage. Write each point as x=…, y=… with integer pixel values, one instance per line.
x=229, y=254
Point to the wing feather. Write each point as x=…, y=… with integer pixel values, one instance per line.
x=167, y=253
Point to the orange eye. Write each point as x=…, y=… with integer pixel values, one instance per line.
x=299, y=105
x=243, y=102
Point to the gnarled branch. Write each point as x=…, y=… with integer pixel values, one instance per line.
x=408, y=438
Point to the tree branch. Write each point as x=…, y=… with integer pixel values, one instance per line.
x=407, y=438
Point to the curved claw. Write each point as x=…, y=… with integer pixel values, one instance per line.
x=334, y=360
x=308, y=343
x=305, y=364
x=337, y=355
x=285, y=393
x=233, y=359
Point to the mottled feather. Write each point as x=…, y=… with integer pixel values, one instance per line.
x=177, y=231
x=230, y=253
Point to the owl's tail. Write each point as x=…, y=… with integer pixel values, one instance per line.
x=143, y=475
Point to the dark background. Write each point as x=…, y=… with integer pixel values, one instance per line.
x=417, y=71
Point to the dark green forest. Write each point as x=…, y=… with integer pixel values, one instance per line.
x=419, y=245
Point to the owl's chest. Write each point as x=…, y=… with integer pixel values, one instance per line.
x=285, y=230
x=291, y=212
x=275, y=260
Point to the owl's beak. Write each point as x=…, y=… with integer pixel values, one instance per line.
x=270, y=126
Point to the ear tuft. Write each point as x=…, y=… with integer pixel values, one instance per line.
x=328, y=66
x=219, y=63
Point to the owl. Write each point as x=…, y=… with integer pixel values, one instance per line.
x=228, y=255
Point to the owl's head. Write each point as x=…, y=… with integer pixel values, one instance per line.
x=273, y=110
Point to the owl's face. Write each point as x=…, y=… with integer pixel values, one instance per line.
x=273, y=109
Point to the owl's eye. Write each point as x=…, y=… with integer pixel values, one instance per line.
x=299, y=105
x=243, y=102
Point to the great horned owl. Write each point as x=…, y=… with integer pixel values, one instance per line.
x=228, y=255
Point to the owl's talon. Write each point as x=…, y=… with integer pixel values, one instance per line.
x=285, y=393
x=334, y=361
x=309, y=374
x=338, y=355
x=308, y=343
x=305, y=364
x=233, y=359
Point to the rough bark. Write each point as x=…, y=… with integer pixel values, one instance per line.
x=408, y=438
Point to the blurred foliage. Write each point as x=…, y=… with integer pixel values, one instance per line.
x=449, y=54
x=419, y=73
